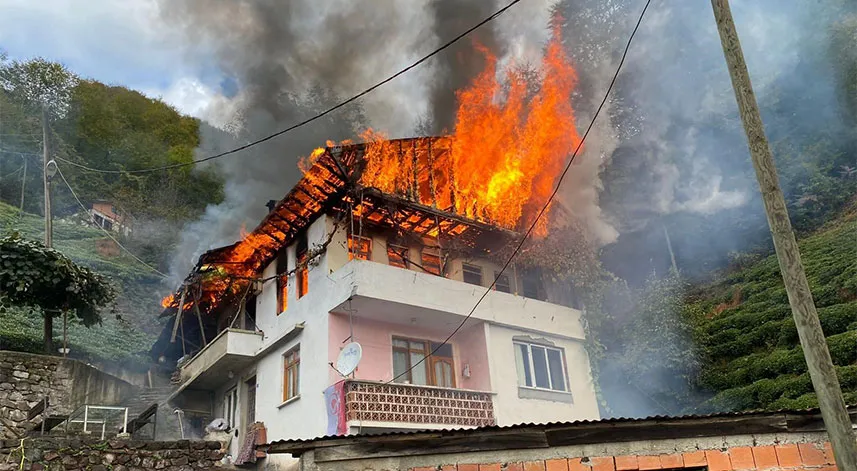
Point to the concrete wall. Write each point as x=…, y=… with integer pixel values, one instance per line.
x=115, y=455
x=510, y=408
x=25, y=379
x=304, y=417
x=785, y=452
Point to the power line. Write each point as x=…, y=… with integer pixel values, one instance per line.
x=547, y=203
x=318, y=116
x=106, y=232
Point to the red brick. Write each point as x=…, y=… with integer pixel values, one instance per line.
x=788, y=455
x=717, y=460
x=696, y=458
x=672, y=461
x=514, y=466
x=468, y=467
x=626, y=463
x=533, y=466
x=649, y=462
x=424, y=468
x=828, y=454
x=489, y=467
x=742, y=458
x=558, y=464
x=603, y=463
x=765, y=457
x=576, y=464
x=448, y=467
x=811, y=454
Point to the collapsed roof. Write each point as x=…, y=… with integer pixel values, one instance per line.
x=336, y=182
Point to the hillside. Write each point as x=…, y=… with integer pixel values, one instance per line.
x=751, y=353
x=125, y=332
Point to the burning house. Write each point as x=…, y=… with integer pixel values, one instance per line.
x=389, y=244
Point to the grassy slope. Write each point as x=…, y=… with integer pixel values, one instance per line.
x=124, y=333
x=753, y=358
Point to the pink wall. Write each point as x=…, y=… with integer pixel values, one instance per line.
x=468, y=346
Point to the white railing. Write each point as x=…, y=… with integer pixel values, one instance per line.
x=97, y=415
x=406, y=403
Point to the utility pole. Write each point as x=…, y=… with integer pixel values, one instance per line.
x=670, y=248
x=817, y=356
x=49, y=320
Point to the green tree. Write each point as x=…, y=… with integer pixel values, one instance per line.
x=38, y=83
x=37, y=277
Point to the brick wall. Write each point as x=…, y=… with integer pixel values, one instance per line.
x=61, y=454
x=784, y=457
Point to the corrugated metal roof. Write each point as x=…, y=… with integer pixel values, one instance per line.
x=608, y=421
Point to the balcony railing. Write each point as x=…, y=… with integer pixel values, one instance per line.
x=411, y=404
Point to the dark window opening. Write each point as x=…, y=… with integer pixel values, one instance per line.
x=472, y=274
x=502, y=283
x=250, y=314
x=533, y=287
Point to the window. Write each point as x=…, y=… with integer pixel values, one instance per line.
x=230, y=408
x=359, y=247
x=502, y=283
x=532, y=285
x=397, y=255
x=431, y=260
x=291, y=374
x=282, y=281
x=303, y=271
x=411, y=366
x=540, y=366
x=472, y=274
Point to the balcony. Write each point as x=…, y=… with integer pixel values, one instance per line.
x=394, y=404
x=232, y=350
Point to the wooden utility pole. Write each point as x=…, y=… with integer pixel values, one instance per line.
x=49, y=319
x=812, y=340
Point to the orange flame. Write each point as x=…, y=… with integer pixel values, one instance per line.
x=507, y=150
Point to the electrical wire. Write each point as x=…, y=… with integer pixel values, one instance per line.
x=105, y=231
x=316, y=117
x=547, y=203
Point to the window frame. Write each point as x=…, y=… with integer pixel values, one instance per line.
x=352, y=254
x=292, y=361
x=302, y=274
x=468, y=268
x=432, y=252
x=567, y=387
x=508, y=284
x=282, y=282
x=428, y=362
x=393, y=252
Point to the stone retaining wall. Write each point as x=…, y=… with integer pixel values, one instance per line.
x=25, y=379
x=49, y=453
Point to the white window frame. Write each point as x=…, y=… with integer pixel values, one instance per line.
x=567, y=386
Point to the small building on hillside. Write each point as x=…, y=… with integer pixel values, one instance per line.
x=259, y=325
x=106, y=215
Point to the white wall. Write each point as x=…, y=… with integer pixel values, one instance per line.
x=304, y=417
x=511, y=409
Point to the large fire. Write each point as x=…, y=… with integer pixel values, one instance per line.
x=507, y=150
x=499, y=166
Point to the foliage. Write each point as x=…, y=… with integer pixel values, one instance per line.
x=38, y=83
x=34, y=276
x=751, y=352
x=121, y=336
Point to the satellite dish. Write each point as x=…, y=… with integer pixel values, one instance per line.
x=349, y=358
